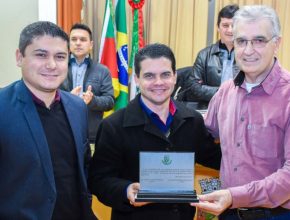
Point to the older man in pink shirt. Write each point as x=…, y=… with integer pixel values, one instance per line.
x=251, y=116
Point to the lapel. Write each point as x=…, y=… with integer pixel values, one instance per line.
x=76, y=126
x=69, y=78
x=87, y=73
x=134, y=116
x=37, y=132
x=180, y=117
x=217, y=52
x=153, y=129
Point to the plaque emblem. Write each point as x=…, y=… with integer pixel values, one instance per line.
x=166, y=160
x=166, y=177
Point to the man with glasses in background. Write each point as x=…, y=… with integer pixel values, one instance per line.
x=251, y=116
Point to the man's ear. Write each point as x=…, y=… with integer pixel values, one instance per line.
x=136, y=80
x=91, y=45
x=175, y=76
x=218, y=28
x=277, y=44
x=19, y=58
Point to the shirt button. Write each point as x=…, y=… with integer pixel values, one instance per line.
x=235, y=169
x=249, y=127
x=242, y=119
x=238, y=144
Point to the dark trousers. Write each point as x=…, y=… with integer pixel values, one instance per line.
x=256, y=214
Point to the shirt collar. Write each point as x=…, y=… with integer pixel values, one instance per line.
x=272, y=78
x=163, y=127
x=172, y=107
x=268, y=83
x=85, y=61
x=222, y=46
x=41, y=103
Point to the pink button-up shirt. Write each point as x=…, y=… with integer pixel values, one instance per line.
x=254, y=131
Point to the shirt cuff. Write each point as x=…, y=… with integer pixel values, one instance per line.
x=240, y=197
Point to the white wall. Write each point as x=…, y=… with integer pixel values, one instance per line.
x=47, y=10
x=14, y=16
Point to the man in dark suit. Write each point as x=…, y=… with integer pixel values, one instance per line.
x=43, y=134
x=90, y=80
x=151, y=122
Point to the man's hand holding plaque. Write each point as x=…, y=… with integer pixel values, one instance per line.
x=132, y=190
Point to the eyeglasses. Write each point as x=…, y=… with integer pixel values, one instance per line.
x=258, y=42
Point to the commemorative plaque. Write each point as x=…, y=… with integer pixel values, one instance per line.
x=166, y=177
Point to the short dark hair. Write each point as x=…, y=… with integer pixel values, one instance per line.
x=82, y=27
x=227, y=12
x=156, y=50
x=38, y=29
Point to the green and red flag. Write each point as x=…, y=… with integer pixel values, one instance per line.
x=137, y=40
x=107, y=55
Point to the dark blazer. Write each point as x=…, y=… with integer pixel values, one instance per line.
x=115, y=163
x=99, y=77
x=27, y=186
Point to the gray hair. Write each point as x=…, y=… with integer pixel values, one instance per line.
x=251, y=13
